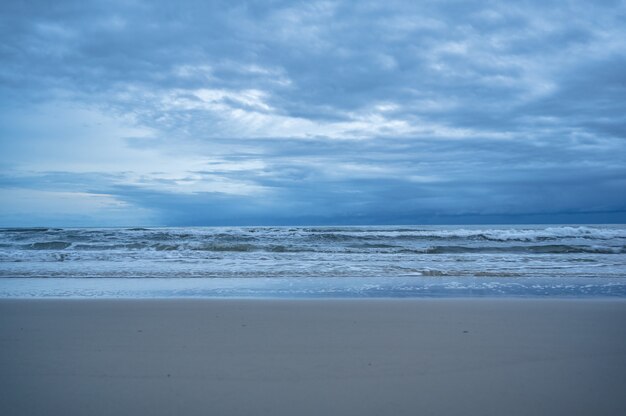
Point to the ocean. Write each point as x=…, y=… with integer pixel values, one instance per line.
x=355, y=261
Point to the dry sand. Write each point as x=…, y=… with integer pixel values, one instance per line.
x=313, y=357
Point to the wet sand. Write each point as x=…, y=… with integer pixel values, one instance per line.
x=313, y=357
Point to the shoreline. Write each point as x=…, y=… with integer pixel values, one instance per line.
x=488, y=356
x=438, y=287
x=356, y=299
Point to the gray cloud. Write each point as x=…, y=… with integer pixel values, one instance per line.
x=325, y=112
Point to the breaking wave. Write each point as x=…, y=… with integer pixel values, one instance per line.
x=510, y=251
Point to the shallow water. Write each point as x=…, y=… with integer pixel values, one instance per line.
x=395, y=261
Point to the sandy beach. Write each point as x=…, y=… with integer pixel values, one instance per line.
x=312, y=357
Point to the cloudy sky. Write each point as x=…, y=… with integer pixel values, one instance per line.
x=315, y=112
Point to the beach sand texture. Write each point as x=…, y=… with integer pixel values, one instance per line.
x=313, y=357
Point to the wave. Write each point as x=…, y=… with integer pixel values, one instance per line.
x=50, y=245
x=435, y=253
x=498, y=235
x=537, y=249
x=184, y=242
x=364, y=248
x=29, y=230
x=335, y=234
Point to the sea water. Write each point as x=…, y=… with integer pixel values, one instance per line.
x=363, y=261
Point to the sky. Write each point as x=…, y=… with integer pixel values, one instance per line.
x=129, y=112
